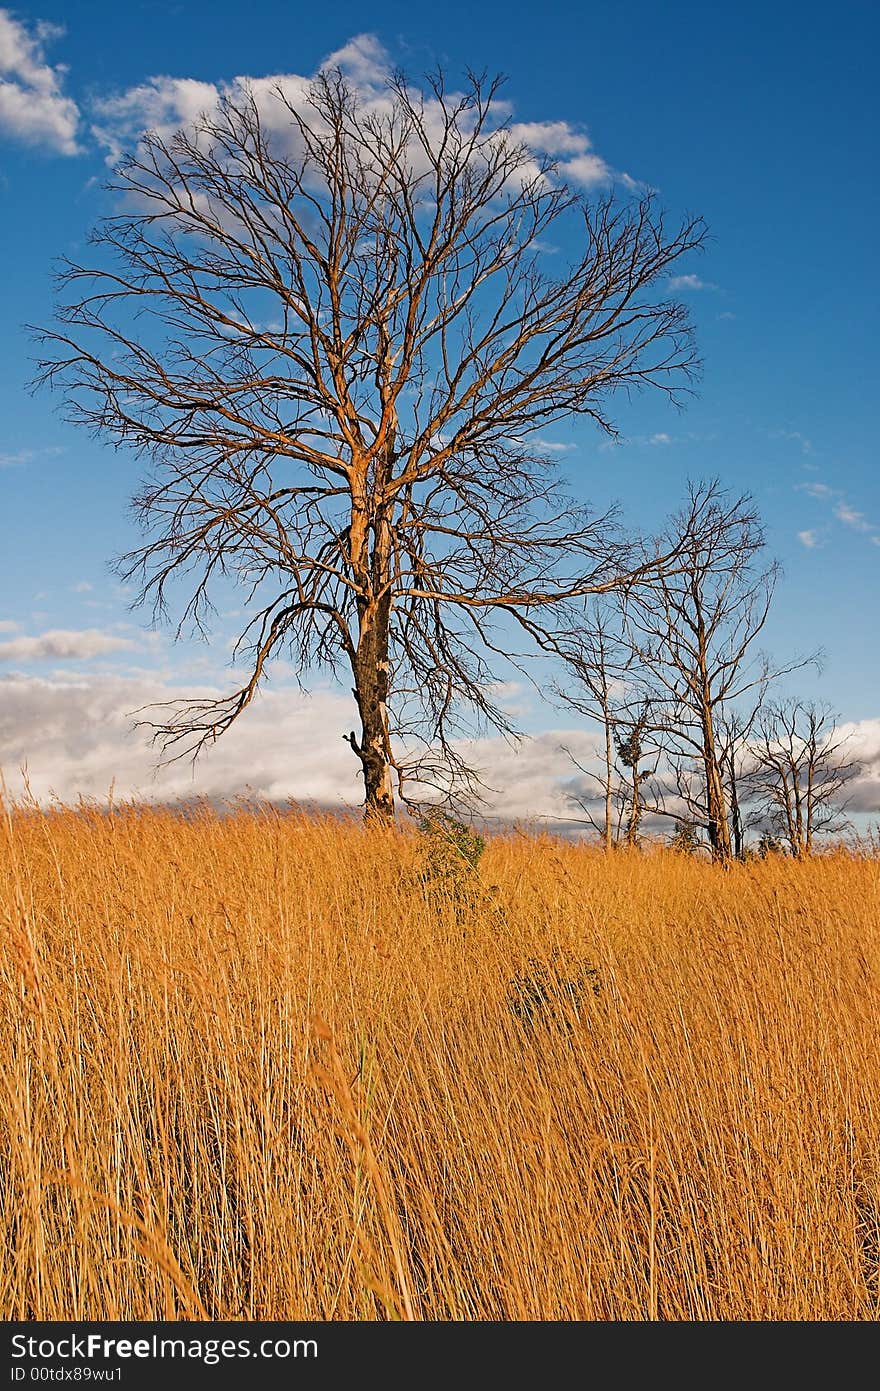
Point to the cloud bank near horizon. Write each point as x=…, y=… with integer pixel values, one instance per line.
x=72, y=738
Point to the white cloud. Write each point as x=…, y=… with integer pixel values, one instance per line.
x=659, y=438
x=586, y=170
x=162, y=104
x=8, y=625
x=166, y=104
x=810, y=539
x=364, y=60
x=862, y=746
x=552, y=447
x=550, y=137
x=33, y=107
x=578, y=161
x=81, y=587
x=850, y=517
x=79, y=738
x=63, y=643
x=690, y=282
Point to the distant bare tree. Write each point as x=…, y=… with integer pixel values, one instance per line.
x=694, y=632
x=800, y=772
x=598, y=664
x=330, y=328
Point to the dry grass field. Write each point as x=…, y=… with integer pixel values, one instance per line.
x=261, y=1066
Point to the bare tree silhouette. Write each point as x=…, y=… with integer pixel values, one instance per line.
x=330, y=328
x=800, y=772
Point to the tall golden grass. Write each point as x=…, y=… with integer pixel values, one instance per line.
x=256, y=1066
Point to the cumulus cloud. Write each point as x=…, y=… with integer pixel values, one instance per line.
x=33, y=107
x=810, y=539
x=166, y=104
x=364, y=60
x=536, y=779
x=63, y=644
x=550, y=137
x=570, y=147
x=161, y=104
x=588, y=170
x=8, y=625
x=862, y=746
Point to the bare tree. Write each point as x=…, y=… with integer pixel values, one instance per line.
x=598, y=662
x=800, y=772
x=328, y=324
x=604, y=683
x=694, y=631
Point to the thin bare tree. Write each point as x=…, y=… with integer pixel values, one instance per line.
x=604, y=683
x=800, y=772
x=598, y=663
x=329, y=324
x=694, y=632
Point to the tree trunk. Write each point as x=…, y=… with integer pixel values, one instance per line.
x=635, y=812
x=608, y=835
x=735, y=814
x=371, y=693
x=718, y=825
x=371, y=560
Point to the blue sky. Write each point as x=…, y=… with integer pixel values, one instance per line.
x=760, y=118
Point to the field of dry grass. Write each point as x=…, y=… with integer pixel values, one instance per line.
x=259, y=1067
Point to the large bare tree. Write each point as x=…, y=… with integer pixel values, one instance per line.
x=330, y=326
